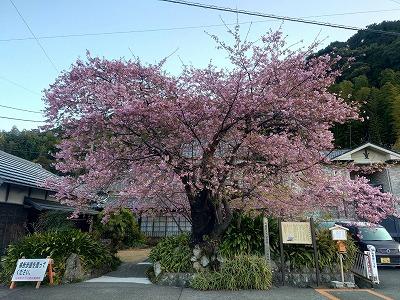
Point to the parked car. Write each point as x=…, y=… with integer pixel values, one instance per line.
x=367, y=235
x=392, y=225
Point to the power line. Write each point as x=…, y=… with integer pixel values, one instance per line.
x=178, y=28
x=283, y=18
x=17, y=119
x=37, y=40
x=19, y=85
x=21, y=109
x=394, y=1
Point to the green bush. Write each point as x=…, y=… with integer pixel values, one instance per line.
x=245, y=236
x=173, y=253
x=236, y=273
x=53, y=220
x=59, y=245
x=121, y=228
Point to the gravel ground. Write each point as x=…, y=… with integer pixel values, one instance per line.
x=133, y=255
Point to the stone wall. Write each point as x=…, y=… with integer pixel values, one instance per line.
x=303, y=279
x=309, y=279
x=175, y=279
x=394, y=175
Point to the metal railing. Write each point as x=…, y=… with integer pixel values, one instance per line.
x=365, y=267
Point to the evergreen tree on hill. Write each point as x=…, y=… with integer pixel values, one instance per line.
x=373, y=80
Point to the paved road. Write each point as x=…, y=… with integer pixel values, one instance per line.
x=390, y=287
x=389, y=282
x=125, y=291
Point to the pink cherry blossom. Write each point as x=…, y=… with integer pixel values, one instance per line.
x=246, y=136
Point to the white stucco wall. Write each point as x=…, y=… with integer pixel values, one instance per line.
x=17, y=194
x=373, y=157
x=3, y=191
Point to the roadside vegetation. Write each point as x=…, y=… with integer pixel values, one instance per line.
x=57, y=237
x=59, y=245
x=121, y=230
x=240, y=263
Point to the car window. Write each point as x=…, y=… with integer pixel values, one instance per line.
x=374, y=234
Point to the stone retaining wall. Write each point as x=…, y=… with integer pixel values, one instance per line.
x=301, y=280
x=308, y=279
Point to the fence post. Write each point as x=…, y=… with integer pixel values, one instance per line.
x=165, y=227
x=314, y=243
x=282, y=254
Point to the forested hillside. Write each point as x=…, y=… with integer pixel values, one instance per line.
x=32, y=145
x=373, y=80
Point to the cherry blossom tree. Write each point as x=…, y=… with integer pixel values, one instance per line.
x=248, y=136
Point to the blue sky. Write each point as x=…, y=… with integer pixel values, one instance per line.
x=25, y=71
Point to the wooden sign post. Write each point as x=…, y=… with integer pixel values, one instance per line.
x=339, y=234
x=33, y=270
x=298, y=233
x=267, y=248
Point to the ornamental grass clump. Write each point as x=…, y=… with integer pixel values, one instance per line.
x=173, y=253
x=241, y=272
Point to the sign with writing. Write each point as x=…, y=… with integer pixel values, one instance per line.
x=372, y=267
x=267, y=248
x=30, y=269
x=296, y=233
x=339, y=233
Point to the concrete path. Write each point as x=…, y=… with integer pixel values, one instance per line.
x=127, y=272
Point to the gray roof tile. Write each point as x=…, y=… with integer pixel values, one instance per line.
x=20, y=171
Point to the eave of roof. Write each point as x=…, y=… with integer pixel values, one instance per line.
x=345, y=155
x=41, y=205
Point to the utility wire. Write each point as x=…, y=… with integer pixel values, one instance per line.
x=19, y=85
x=394, y=1
x=17, y=119
x=283, y=18
x=21, y=109
x=34, y=36
x=178, y=28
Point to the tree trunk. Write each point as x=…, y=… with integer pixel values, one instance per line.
x=209, y=218
x=203, y=215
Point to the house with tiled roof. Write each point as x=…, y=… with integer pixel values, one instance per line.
x=23, y=196
x=387, y=177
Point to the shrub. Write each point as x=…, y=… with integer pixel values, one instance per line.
x=238, y=272
x=53, y=220
x=121, y=228
x=173, y=253
x=243, y=236
x=59, y=245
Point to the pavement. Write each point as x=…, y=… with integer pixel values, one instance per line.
x=129, y=282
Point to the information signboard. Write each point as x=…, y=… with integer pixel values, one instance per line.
x=30, y=270
x=339, y=233
x=296, y=233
